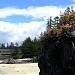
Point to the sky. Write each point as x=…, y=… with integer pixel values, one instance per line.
x=20, y=19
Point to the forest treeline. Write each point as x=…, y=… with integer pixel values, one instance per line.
x=28, y=49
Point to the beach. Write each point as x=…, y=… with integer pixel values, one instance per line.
x=19, y=69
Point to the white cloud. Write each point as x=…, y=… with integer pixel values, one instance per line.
x=35, y=12
x=18, y=32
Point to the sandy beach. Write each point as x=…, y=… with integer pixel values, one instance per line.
x=19, y=69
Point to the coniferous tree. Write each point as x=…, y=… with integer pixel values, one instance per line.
x=58, y=46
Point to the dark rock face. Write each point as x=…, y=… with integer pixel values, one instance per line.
x=58, y=58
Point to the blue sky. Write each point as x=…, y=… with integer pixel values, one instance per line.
x=27, y=3
x=20, y=19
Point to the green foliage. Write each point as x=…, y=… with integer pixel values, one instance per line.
x=27, y=48
x=16, y=56
x=30, y=48
x=15, y=53
x=2, y=46
x=37, y=46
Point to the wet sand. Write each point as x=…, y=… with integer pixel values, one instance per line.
x=19, y=69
